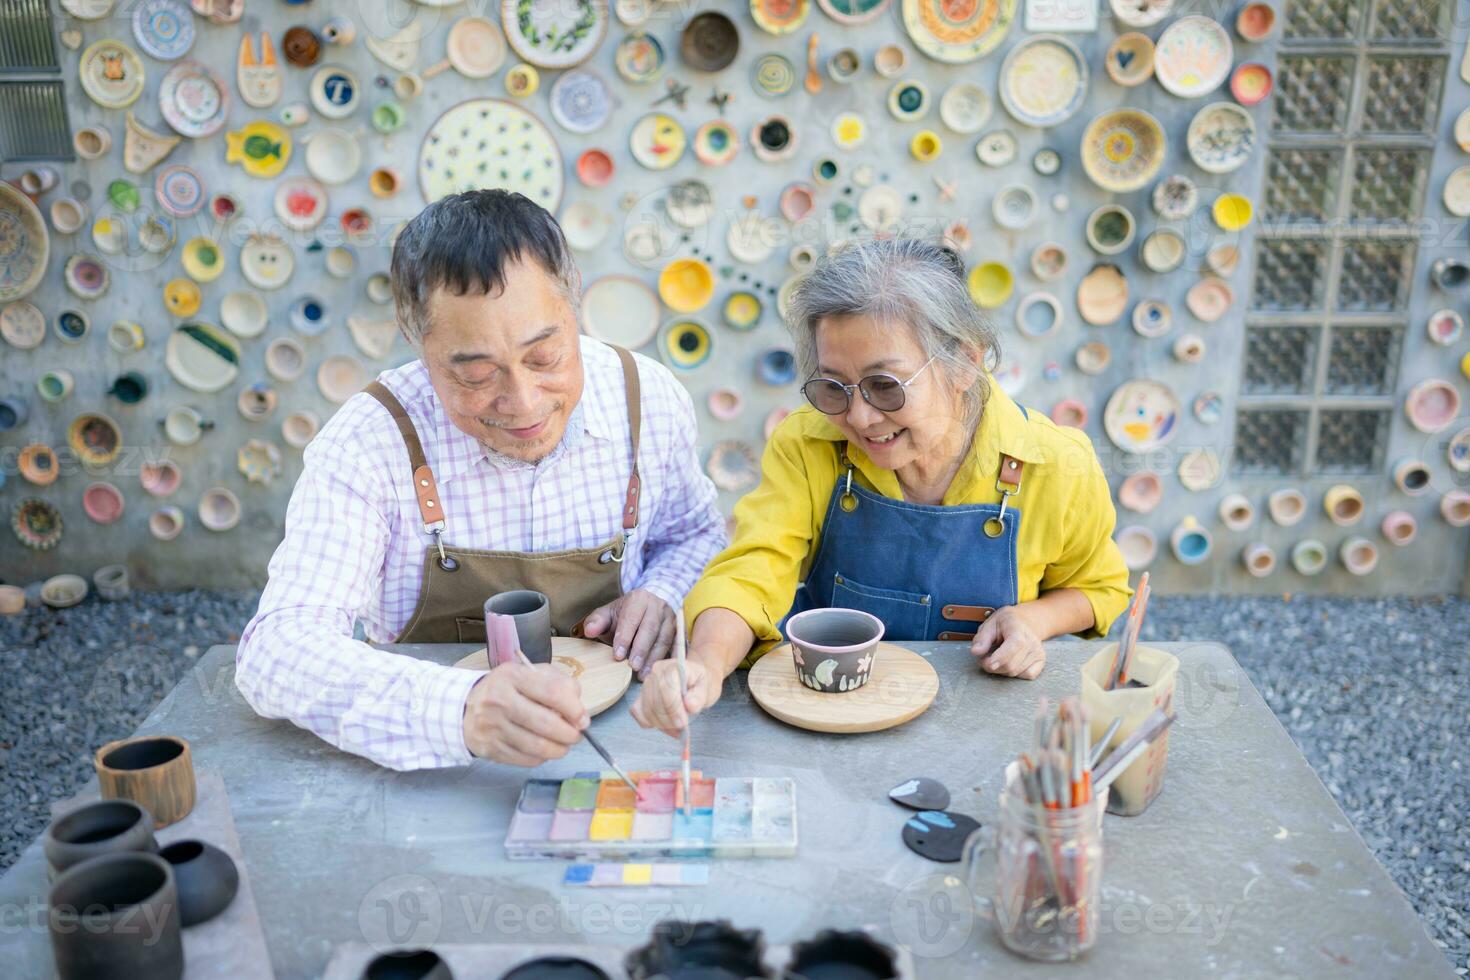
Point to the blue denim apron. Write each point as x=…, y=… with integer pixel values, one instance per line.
x=929, y=572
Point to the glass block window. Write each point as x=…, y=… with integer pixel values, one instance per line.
x=1376, y=274
x=1323, y=20
x=1388, y=183
x=1313, y=94
x=1351, y=440
x=1269, y=440
x=1402, y=94
x=1363, y=360
x=1291, y=275
x=1279, y=360
x=1411, y=20
x=1301, y=184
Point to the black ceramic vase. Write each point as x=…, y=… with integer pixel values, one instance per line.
x=116, y=917
x=103, y=827
x=408, y=964
x=713, y=950
x=556, y=968
x=206, y=878
x=834, y=955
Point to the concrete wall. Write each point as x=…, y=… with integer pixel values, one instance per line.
x=238, y=558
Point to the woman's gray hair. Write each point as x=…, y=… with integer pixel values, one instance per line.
x=906, y=281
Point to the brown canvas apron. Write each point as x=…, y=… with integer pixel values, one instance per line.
x=457, y=581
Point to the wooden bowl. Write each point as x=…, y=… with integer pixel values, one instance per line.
x=156, y=772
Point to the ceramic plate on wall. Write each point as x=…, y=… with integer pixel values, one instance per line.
x=965, y=107
x=1141, y=415
x=300, y=203
x=335, y=93
x=554, y=33
x=580, y=101
x=957, y=32
x=773, y=75
x=1123, y=149
x=23, y=325
x=25, y=244
x=1043, y=80
x=340, y=377
x=193, y=100
x=202, y=357
x=639, y=58
x=180, y=190
x=1221, y=138
x=517, y=151
x=779, y=16
x=1193, y=56
x=243, y=313
x=657, y=141
x=1457, y=193
x=585, y=225
x=620, y=310
x=854, y=11
x=111, y=74
x=266, y=261
x=164, y=29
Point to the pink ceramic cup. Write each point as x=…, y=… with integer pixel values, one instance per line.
x=834, y=649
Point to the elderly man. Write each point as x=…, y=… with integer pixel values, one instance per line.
x=512, y=453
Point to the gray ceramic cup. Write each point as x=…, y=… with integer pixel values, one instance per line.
x=834, y=649
x=532, y=613
x=96, y=828
x=116, y=917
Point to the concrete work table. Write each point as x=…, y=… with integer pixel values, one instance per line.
x=1243, y=867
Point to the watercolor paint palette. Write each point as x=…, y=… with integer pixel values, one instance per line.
x=595, y=815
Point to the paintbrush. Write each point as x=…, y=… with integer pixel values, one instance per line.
x=606, y=757
x=1102, y=743
x=679, y=658
x=1131, y=748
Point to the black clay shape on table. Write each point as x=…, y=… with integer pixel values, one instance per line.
x=206, y=876
x=938, y=835
x=834, y=955
x=556, y=968
x=116, y=917
x=920, y=793
x=103, y=827
x=408, y=964
x=713, y=950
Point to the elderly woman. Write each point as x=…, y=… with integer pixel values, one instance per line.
x=912, y=488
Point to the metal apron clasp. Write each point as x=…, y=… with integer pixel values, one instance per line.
x=446, y=562
x=616, y=554
x=848, y=501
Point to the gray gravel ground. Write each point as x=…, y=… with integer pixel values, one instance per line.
x=1374, y=692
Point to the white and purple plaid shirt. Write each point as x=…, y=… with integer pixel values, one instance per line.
x=354, y=548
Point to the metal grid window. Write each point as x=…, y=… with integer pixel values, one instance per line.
x=1353, y=129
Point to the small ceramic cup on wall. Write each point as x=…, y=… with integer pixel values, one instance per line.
x=1454, y=507
x=1287, y=506
x=1411, y=476
x=1309, y=557
x=1191, y=542
x=1399, y=528
x=1359, y=556
x=1344, y=505
x=1236, y=512
x=1259, y=559
x=156, y=772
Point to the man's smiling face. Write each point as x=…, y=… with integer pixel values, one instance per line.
x=507, y=366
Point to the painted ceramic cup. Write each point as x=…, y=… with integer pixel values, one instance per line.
x=13, y=414
x=94, y=913
x=94, y=829
x=834, y=649
x=1454, y=507
x=1286, y=506
x=1399, y=528
x=532, y=614
x=1191, y=542
x=1309, y=557
x=1259, y=559
x=55, y=385
x=92, y=142
x=1236, y=512
x=1359, y=556
x=1344, y=505
x=1411, y=476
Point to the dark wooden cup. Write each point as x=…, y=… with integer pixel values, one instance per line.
x=156, y=772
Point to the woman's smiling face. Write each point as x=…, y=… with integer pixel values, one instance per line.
x=850, y=348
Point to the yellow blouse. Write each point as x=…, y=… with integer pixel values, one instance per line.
x=1066, y=531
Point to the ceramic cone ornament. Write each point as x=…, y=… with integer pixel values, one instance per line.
x=374, y=337
x=143, y=148
x=399, y=52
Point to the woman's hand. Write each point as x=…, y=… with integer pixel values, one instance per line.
x=659, y=704
x=1007, y=644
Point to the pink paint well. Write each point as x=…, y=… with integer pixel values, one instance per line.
x=657, y=795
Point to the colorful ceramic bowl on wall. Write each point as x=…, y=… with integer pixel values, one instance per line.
x=639, y=58
x=180, y=190
x=1130, y=59
x=1232, y=212
x=716, y=143
x=554, y=33
x=742, y=310
x=686, y=285
x=25, y=244
x=1251, y=83
x=266, y=261
x=709, y=41
x=202, y=260
x=340, y=377
x=773, y=75
x=1043, y=80
x=37, y=464
x=779, y=16
x=86, y=277
x=1110, y=229
x=111, y=73
x=908, y=100
x=990, y=284
x=685, y=343
x=202, y=357
x=95, y=439
x=261, y=148
x=1141, y=13
x=159, y=478
x=36, y=523
x=657, y=141
x=1221, y=138
x=1102, y=295
x=1123, y=149
x=334, y=157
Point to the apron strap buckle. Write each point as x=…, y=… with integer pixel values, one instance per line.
x=616, y=553
x=446, y=562
x=1008, y=482
x=848, y=501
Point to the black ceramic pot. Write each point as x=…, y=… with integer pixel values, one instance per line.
x=116, y=917
x=699, y=951
x=556, y=968
x=408, y=964
x=206, y=878
x=834, y=955
x=103, y=827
